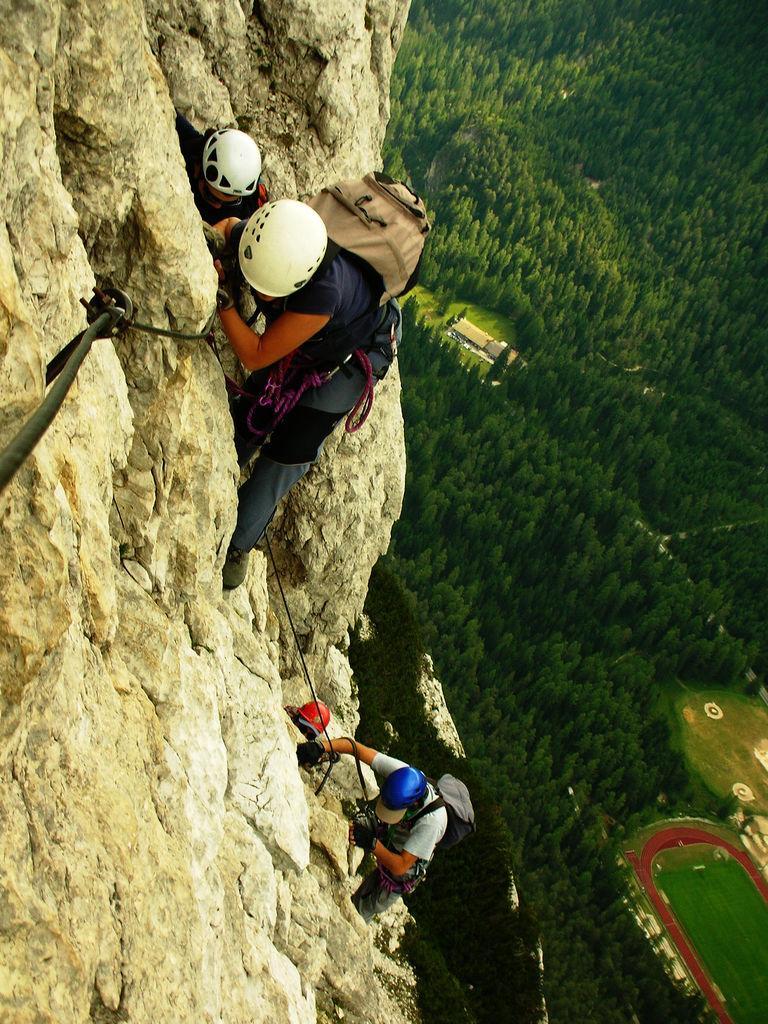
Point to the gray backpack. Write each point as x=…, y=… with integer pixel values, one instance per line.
x=381, y=221
x=454, y=797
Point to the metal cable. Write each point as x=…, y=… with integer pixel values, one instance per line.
x=116, y=312
x=359, y=769
x=136, y=325
x=19, y=449
x=59, y=361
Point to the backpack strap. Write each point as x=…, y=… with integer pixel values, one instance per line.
x=332, y=250
x=432, y=806
x=412, y=207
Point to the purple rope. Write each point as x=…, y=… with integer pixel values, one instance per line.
x=284, y=390
x=402, y=885
x=364, y=404
x=275, y=382
x=282, y=393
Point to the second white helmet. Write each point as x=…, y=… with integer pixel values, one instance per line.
x=232, y=162
x=281, y=247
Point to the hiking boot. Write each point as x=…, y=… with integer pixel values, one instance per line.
x=235, y=567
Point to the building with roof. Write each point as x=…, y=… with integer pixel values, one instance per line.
x=478, y=341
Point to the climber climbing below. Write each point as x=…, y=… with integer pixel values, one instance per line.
x=223, y=167
x=326, y=343
x=401, y=829
x=310, y=719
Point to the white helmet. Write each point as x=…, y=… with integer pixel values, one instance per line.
x=281, y=247
x=232, y=162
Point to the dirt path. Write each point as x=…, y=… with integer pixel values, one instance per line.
x=665, y=538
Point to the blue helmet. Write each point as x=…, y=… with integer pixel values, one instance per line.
x=403, y=787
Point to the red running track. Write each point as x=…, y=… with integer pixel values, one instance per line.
x=687, y=836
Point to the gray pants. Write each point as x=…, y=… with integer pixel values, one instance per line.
x=372, y=898
x=258, y=497
x=294, y=446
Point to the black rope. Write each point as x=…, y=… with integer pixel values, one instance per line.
x=19, y=449
x=333, y=755
x=359, y=769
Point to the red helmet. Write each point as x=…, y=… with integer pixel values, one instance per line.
x=315, y=715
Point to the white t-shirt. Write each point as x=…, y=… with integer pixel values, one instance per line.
x=422, y=839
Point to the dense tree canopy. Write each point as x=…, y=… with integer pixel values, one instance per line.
x=458, y=968
x=598, y=170
x=598, y=173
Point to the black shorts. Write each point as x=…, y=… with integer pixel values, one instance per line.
x=299, y=436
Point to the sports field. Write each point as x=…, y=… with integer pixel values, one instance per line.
x=726, y=920
x=724, y=751
x=731, y=925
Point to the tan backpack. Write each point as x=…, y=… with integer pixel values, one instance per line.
x=382, y=221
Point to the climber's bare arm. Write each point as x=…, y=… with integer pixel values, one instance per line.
x=283, y=336
x=396, y=863
x=224, y=226
x=344, y=746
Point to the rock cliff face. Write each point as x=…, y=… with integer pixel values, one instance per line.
x=155, y=854
x=431, y=691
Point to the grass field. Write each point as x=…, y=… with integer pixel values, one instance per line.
x=722, y=751
x=500, y=327
x=726, y=921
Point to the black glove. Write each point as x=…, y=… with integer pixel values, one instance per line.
x=308, y=754
x=225, y=294
x=364, y=836
x=224, y=297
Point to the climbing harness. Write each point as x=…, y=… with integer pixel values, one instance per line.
x=286, y=384
x=109, y=312
x=399, y=885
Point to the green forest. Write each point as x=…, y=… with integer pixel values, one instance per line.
x=588, y=526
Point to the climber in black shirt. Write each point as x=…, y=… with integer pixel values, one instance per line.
x=325, y=345
x=223, y=166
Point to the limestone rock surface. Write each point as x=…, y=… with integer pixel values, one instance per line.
x=162, y=861
x=431, y=690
